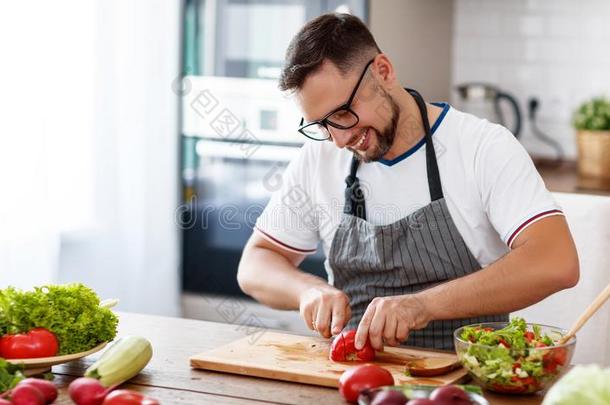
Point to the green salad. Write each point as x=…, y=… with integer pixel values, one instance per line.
x=512, y=359
x=72, y=312
x=10, y=375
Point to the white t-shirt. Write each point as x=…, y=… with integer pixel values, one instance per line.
x=490, y=184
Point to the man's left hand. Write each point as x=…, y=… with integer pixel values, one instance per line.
x=389, y=320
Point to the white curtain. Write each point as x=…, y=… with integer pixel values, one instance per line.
x=90, y=155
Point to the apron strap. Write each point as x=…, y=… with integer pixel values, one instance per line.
x=434, y=178
x=354, y=197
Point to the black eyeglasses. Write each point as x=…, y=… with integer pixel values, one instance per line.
x=342, y=117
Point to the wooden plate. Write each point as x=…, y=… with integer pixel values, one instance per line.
x=43, y=364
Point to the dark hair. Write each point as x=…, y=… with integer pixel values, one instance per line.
x=343, y=39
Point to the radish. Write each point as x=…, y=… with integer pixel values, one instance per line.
x=87, y=391
x=26, y=395
x=128, y=397
x=5, y=402
x=46, y=388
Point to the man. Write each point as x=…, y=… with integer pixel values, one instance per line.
x=442, y=220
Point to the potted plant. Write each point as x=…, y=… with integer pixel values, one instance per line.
x=592, y=122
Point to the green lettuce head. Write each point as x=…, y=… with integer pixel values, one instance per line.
x=581, y=385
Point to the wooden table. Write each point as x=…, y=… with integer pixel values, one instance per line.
x=169, y=378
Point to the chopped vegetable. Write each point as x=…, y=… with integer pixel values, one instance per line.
x=507, y=359
x=343, y=348
x=72, y=312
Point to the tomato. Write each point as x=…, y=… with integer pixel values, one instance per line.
x=359, y=378
x=548, y=365
x=529, y=336
x=343, y=348
x=38, y=342
x=522, y=384
x=560, y=355
x=127, y=397
x=505, y=343
x=554, y=358
x=524, y=380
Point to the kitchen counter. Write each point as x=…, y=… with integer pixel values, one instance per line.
x=564, y=178
x=169, y=378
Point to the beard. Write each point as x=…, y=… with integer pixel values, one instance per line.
x=385, y=139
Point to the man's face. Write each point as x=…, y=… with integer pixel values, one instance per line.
x=326, y=89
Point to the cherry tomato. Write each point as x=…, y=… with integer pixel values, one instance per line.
x=560, y=355
x=38, y=342
x=504, y=343
x=529, y=336
x=359, y=378
x=343, y=348
x=128, y=397
x=524, y=380
x=554, y=358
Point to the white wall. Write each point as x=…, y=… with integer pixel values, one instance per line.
x=554, y=50
x=416, y=34
x=589, y=219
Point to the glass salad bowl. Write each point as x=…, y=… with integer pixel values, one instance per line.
x=513, y=357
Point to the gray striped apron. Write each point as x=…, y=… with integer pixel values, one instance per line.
x=416, y=252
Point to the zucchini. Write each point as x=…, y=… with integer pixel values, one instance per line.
x=121, y=361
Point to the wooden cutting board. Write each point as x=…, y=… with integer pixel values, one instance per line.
x=304, y=359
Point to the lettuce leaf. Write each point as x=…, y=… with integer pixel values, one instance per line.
x=70, y=311
x=581, y=385
x=10, y=375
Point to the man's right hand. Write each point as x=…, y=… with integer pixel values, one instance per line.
x=325, y=309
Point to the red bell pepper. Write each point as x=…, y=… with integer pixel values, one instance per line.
x=38, y=342
x=343, y=348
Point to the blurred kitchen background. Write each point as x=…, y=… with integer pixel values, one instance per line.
x=140, y=140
